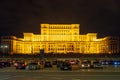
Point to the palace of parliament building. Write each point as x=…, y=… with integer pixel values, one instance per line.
x=59, y=38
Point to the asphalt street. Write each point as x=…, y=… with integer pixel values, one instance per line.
x=59, y=75
x=108, y=73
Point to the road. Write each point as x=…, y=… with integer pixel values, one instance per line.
x=59, y=75
x=108, y=73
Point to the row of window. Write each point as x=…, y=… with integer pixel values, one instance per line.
x=59, y=33
x=60, y=27
x=59, y=30
x=60, y=49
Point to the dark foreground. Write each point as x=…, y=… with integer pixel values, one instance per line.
x=65, y=75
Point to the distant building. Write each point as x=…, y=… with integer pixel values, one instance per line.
x=59, y=38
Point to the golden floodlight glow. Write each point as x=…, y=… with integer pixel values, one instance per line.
x=61, y=38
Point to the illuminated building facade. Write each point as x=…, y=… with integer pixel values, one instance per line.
x=60, y=38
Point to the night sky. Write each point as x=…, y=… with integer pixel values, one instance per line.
x=99, y=16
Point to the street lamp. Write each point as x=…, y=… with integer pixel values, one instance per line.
x=55, y=50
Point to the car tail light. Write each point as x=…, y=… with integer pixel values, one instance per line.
x=72, y=62
x=23, y=64
x=16, y=64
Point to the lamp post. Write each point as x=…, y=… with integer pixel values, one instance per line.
x=55, y=50
x=32, y=52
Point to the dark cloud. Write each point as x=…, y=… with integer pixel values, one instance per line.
x=18, y=16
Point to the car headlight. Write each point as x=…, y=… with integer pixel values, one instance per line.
x=115, y=63
x=88, y=65
x=83, y=65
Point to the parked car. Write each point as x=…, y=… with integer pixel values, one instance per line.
x=65, y=66
x=1, y=65
x=105, y=62
x=54, y=62
x=73, y=62
x=20, y=65
x=47, y=64
x=97, y=64
x=32, y=66
x=59, y=63
x=116, y=62
x=110, y=62
x=5, y=64
x=85, y=64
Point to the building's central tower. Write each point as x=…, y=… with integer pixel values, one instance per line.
x=60, y=32
x=60, y=29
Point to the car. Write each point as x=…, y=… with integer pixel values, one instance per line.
x=32, y=66
x=7, y=63
x=1, y=65
x=54, y=62
x=105, y=62
x=47, y=64
x=97, y=65
x=73, y=62
x=65, y=66
x=85, y=64
x=59, y=63
x=20, y=65
x=116, y=62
